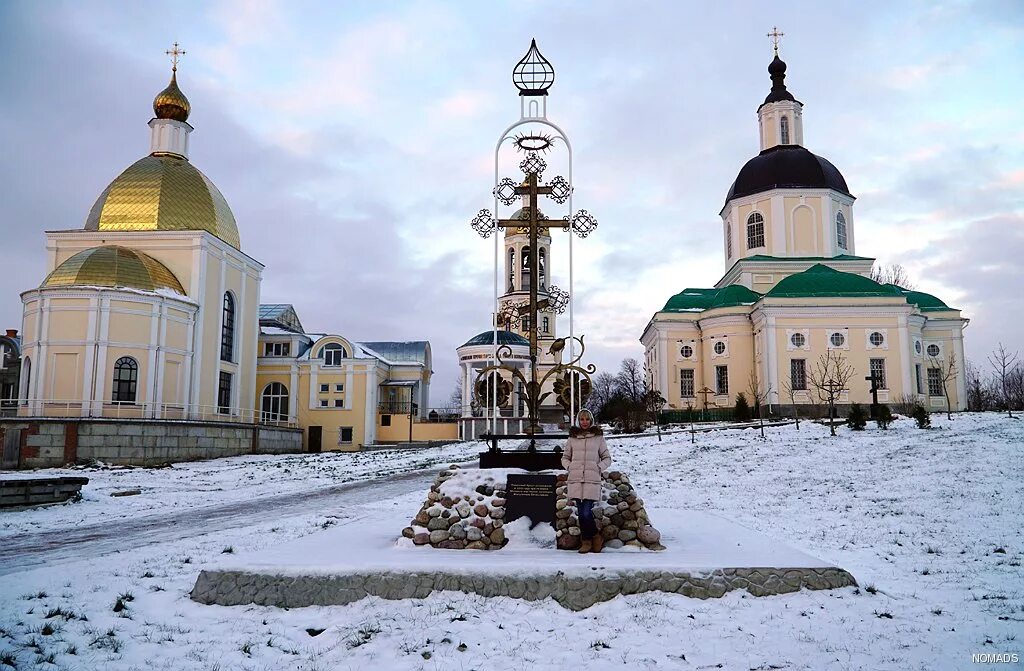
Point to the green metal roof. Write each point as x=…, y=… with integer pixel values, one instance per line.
x=924, y=302
x=698, y=300
x=820, y=280
x=504, y=338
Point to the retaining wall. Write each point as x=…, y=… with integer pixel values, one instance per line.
x=48, y=443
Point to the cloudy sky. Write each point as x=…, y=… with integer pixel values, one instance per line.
x=354, y=141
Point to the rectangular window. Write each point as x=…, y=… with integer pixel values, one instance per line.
x=324, y=403
x=339, y=403
x=345, y=435
x=324, y=388
x=526, y=324
x=935, y=382
x=917, y=374
x=878, y=371
x=276, y=349
x=339, y=388
x=547, y=325
x=798, y=374
x=686, y=387
x=385, y=420
x=224, y=394
x=721, y=380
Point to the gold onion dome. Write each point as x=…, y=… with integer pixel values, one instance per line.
x=171, y=103
x=163, y=193
x=115, y=267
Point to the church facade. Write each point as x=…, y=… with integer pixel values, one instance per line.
x=795, y=291
x=151, y=313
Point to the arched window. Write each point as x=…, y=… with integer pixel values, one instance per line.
x=126, y=380
x=26, y=370
x=274, y=403
x=784, y=125
x=333, y=353
x=542, y=267
x=728, y=240
x=524, y=280
x=511, y=269
x=841, y=238
x=227, y=329
x=755, y=231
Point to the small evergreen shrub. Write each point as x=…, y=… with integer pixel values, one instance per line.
x=884, y=418
x=921, y=416
x=857, y=419
x=741, y=413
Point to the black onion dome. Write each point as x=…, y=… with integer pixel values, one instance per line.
x=777, y=70
x=786, y=166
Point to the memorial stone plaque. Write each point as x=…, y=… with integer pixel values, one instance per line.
x=530, y=496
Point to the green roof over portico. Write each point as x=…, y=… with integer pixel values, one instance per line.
x=698, y=300
x=821, y=281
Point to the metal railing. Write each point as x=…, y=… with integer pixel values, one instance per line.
x=52, y=408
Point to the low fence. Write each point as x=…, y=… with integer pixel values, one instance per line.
x=696, y=415
x=78, y=408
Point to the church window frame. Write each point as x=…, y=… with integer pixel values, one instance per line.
x=784, y=130
x=728, y=240
x=332, y=354
x=755, y=231
x=274, y=402
x=876, y=367
x=842, y=232
x=876, y=338
x=935, y=382
x=687, y=383
x=836, y=340
x=277, y=349
x=26, y=369
x=686, y=351
x=125, y=387
x=798, y=374
x=224, y=393
x=547, y=325
x=227, y=328
x=511, y=269
x=798, y=340
x=933, y=350
x=919, y=378
x=720, y=348
x=345, y=435
x=722, y=380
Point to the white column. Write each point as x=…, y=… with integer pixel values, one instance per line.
x=771, y=359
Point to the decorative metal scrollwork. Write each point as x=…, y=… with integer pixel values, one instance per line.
x=510, y=314
x=563, y=387
x=560, y=189
x=484, y=223
x=492, y=388
x=582, y=223
x=533, y=163
x=505, y=192
x=558, y=299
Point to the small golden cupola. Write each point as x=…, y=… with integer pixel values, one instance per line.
x=171, y=103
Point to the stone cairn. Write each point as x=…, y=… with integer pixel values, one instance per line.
x=464, y=510
x=620, y=517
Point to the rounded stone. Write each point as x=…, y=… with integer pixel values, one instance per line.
x=433, y=496
x=480, y=509
x=421, y=539
x=422, y=518
x=433, y=512
x=497, y=513
x=648, y=535
x=447, y=502
x=497, y=502
x=615, y=475
x=476, y=545
x=452, y=545
x=627, y=535
x=498, y=536
x=567, y=542
x=478, y=522
x=636, y=506
x=622, y=505
x=574, y=531
x=408, y=532
x=632, y=525
x=446, y=514
x=614, y=544
x=463, y=509
x=438, y=536
x=437, y=524
x=617, y=519
x=474, y=534
x=559, y=505
x=498, y=523
x=609, y=532
x=458, y=533
x=628, y=515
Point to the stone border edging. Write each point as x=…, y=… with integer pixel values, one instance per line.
x=236, y=588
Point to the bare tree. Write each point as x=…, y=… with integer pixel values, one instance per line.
x=630, y=381
x=790, y=393
x=601, y=393
x=654, y=402
x=892, y=273
x=830, y=377
x=454, y=403
x=759, y=395
x=947, y=372
x=1003, y=363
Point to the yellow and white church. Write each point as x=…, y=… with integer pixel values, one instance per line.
x=152, y=311
x=794, y=289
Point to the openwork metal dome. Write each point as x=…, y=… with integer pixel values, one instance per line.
x=533, y=74
x=112, y=266
x=163, y=193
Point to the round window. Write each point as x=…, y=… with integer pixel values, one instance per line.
x=798, y=340
x=917, y=346
x=837, y=339
x=876, y=338
x=687, y=351
x=933, y=350
x=719, y=347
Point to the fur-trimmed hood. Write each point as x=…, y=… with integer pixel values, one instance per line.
x=577, y=432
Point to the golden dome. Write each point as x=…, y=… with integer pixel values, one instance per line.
x=111, y=266
x=171, y=103
x=163, y=193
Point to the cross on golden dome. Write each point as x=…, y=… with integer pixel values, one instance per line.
x=174, y=53
x=774, y=35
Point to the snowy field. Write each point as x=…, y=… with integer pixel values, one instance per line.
x=930, y=522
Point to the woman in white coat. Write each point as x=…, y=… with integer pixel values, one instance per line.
x=586, y=458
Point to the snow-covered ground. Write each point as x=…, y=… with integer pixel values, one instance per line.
x=930, y=522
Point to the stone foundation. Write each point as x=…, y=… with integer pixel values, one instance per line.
x=236, y=588
x=51, y=443
x=620, y=516
x=464, y=510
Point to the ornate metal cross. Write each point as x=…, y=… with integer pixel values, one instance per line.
x=174, y=53
x=775, y=35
